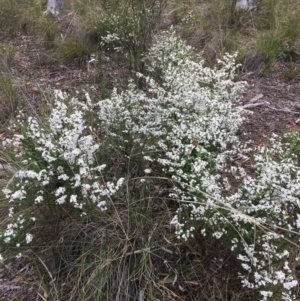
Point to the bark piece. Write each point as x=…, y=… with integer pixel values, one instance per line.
x=256, y=98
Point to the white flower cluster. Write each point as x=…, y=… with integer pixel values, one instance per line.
x=62, y=168
x=117, y=31
x=273, y=199
x=190, y=19
x=129, y=28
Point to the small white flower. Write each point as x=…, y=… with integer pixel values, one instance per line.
x=280, y=275
x=102, y=205
x=290, y=285
x=29, y=238
x=38, y=199
x=11, y=211
x=61, y=200
x=218, y=234
x=298, y=221
x=120, y=182
x=7, y=239
x=59, y=191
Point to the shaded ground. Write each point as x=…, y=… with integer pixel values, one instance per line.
x=37, y=70
x=281, y=108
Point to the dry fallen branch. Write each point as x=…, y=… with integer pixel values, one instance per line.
x=258, y=104
x=284, y=110
x=249, y=106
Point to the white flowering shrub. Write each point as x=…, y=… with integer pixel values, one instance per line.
x=271, y=202
x=128, y=26
x=200, y=159
x=259, y=222
x=181, y=135
x=256, y=219
x=58, y=175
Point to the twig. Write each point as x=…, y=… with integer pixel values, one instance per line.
x=142, y=250
x=284, y=110
x=10, y=287
x=167, y=250
x=253, y=105
x=250, y=105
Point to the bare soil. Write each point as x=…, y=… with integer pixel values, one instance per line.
x=281, y=103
